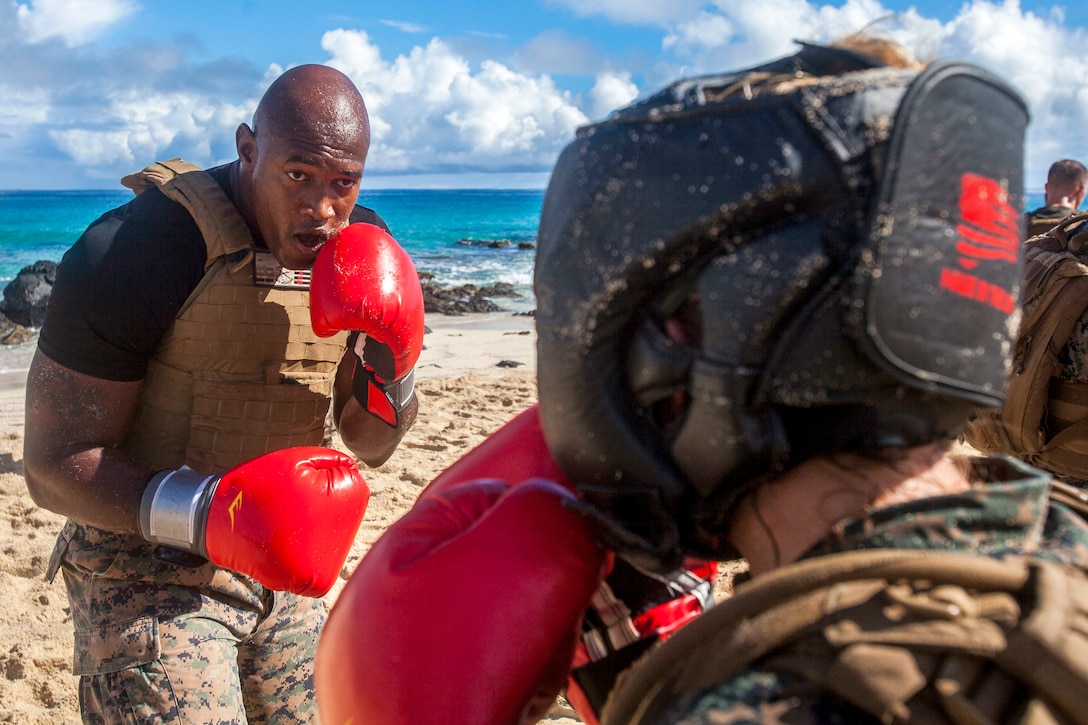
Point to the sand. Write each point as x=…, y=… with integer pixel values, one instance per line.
x=476, y=372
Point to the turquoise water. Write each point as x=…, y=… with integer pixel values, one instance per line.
x=431, y=224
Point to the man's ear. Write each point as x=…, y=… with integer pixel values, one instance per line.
x=246, y=142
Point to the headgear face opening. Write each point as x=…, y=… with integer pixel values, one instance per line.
x=745, y=270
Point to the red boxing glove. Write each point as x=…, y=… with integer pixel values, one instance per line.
x=631, y=611
x=363, y=280
x=467, y=609
x=287, y=518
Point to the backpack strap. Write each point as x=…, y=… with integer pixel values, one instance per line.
x=1054, y=298
x=226, y=233
x=907, y=636
x=1071, y=496
x=1069, y=234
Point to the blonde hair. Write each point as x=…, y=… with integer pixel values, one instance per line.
x=887, y=51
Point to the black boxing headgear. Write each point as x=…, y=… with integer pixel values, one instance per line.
x=843, y=239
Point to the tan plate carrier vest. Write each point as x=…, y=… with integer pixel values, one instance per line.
x=908, y=636
x=240, y=373
x=1044, y=420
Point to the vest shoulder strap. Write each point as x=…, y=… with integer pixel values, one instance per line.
x=225, y=232
x=907, y=636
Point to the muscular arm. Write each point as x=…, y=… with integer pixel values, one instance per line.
x=74, y=422
x=367, y=436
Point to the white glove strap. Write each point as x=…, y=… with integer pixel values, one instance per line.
x=174, y=509
x=360, y=344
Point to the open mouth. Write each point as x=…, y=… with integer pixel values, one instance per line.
x=312, y=241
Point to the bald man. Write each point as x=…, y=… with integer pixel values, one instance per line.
x=176, y=408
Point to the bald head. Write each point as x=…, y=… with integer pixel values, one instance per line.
x=298, y=172
x=314, y=103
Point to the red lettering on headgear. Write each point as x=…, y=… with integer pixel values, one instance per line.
x=989, y=231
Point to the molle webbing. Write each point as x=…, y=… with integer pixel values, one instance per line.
x=240, y=372
x=905, y=635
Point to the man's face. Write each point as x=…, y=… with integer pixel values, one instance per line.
x=301, y=193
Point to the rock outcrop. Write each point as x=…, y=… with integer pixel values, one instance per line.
x=26, y=296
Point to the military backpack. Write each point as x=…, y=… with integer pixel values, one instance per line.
x=907, y=636
x=1044, y=420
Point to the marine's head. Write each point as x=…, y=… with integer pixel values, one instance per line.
x=300, y=164
x=744, y=270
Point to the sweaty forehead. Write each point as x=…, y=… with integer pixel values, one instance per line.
x=315, y=116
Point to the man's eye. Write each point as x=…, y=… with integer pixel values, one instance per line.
x=296, y=175
x=347, y=183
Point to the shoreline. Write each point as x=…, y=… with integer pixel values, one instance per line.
x=476, y=343
x=473, y=343
x=13, y=372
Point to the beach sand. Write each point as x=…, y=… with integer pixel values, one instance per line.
x=476, y=372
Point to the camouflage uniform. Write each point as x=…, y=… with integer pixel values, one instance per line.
x=164, y=636
x=1009, y=514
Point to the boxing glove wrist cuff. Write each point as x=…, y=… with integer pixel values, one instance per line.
x=174, y=509
x=400, y=392
x=385, y=400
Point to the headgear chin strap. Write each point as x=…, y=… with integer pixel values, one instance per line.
x=851, y=242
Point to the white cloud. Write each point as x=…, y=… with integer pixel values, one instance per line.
x=74, y=21
x=430, y=111
x=141, y=127
x=705, y=30
x=739, y=33
x=611, y=91
x=1018, y=45
x=96, y=148
x=434, y=111
x=1044, y=60
x=23, y=107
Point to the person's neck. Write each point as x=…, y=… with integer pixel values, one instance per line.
x=1066, y=201
x=240, y=189
x=779, y=521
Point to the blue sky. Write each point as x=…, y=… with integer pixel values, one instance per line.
x=460, y=94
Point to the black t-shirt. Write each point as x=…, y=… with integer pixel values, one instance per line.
x=120, y=286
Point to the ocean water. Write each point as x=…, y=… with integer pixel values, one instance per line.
x=445, y=231
x=448, y=233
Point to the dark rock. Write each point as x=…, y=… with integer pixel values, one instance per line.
x=499, y=289
x=26, y=296
x=12, y=333
x=508, y=364
x=464, y=299
x=489, y=243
